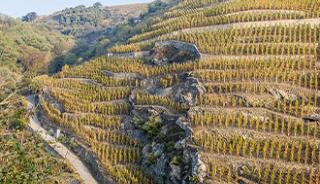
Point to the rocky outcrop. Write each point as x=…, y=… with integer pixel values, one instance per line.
x=187, y=91
x=174, y=52
x=161, y=134
x=166, y=154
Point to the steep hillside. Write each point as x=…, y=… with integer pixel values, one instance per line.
x=28, y=48
x=92, y=28
x=211, y=92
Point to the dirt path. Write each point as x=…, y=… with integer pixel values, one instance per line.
x=73, y=160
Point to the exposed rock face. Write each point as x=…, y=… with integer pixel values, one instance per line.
x=187, y=92
x=198, y=168
x=174, y=52
x=167, y=154
x=161, y=135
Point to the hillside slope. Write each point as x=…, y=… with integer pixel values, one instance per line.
x=212, y=92
x=25, y=47
x=81, y=20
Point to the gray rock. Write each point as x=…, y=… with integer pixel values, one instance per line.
x=160, y=168
x=157, y=149
x=198, y=167
x=174, y=52
x=181, y=144
x=187, y=92
x=175, y=174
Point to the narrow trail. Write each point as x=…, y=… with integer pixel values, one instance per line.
x=63, y=151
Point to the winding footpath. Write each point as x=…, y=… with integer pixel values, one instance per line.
x=63, y=151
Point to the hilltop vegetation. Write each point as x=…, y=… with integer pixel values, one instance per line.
x=81, y=20
x=29, y=48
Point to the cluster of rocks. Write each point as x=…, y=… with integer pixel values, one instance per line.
x=187, y=91
x=167, y=154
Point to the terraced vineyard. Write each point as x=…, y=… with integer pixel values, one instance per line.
x=247, y=111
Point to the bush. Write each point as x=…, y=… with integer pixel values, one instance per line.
x=153, y=126
x=177, y=160
x=18, y=124
x=151, y=159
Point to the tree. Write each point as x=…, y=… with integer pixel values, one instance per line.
x=30, y=17
x=34, y=60
x=156, y=5
x=97, y=5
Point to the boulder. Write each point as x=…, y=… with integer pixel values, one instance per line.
x=175, y=174
x=187, y=92
x=174, y=52
x=197, y=166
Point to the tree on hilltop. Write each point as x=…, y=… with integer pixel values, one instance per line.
x=30, y=17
